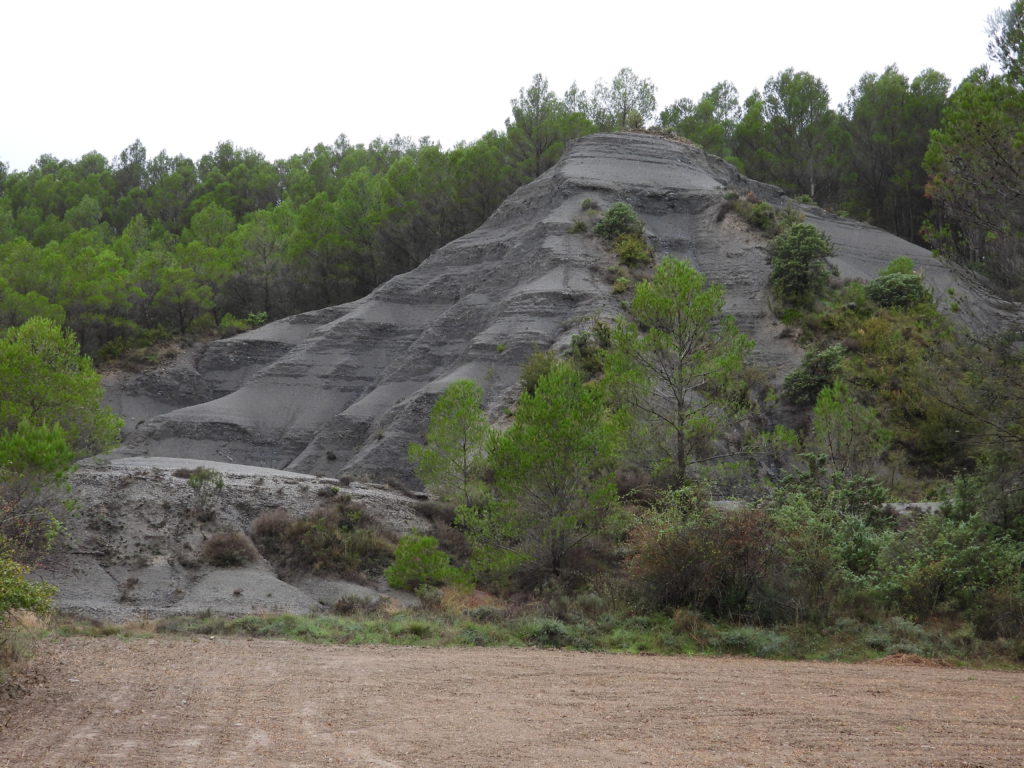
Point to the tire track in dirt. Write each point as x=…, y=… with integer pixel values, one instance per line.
x=214, y=703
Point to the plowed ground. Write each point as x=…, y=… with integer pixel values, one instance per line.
x=201, y=702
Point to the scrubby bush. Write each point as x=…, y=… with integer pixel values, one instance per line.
x=633, y=250
x=898, y=290
x=620, y=219
x=419, y=560
x=685, y=553
x=332, y=539
x=207, y=485
x=229, y=549
x=817, y=370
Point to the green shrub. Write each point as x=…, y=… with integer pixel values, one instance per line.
x=633, y=250
x=800, y=271
x=229, y=549
x=229, y=324
x=817, y=370
x=578, y=227
x=750, y=641
x=420, y=561
x=256, y=319
x=619, y=219
x=762, y=216
x=544, y=632
x=18, y=593
x=589, y=205
x=621, y=285
x=538, y=366
x=898, y=290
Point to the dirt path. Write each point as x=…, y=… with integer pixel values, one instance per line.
x=201, y=703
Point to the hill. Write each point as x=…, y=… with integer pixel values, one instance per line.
x=345, y=389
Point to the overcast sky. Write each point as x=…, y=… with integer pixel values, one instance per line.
x=279, y=77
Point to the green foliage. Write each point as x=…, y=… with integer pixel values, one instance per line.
x=889, y=118
x=452, y=461
x=710, y=122
x=46, y=380
x=538, y=366
x=16, y=592
x=817, y=370
x=681, y=372
x=419, y=560
x=686, y=553
x=620, y=219
x=790, y=136
x=974, y=162
x=629, y=102
x=898, y=290
x=332, y=540
x=553, y=479
x=847, y=433
x=633, y=250
x=800, y=271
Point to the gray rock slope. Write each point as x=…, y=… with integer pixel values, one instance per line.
x=347, y=388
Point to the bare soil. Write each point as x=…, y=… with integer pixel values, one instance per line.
x=204, y=702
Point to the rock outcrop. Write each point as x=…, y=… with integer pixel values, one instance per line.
x=346, y=389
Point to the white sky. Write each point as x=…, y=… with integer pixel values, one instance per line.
x=278, y=77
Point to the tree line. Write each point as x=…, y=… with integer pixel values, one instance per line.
x=138, y=246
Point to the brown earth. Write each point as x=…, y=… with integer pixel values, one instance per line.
x=204, y=702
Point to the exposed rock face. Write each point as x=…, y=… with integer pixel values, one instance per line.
x=347, y=388
x=133, y=547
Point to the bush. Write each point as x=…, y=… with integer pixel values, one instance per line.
x=898, y=290
x=16, y=592
x=633, y=250
x=418, y=561
x=229, y=549
x=207, y=485
x=687, y=554
x=619, y=219
x=800, y=271
x=817, y=371
x=329, y=540
x=762, y=216
x=539, y=365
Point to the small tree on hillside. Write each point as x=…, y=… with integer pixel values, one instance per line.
x=677, y=362
x=800, y=269
x=451, y=463
x=554, y=477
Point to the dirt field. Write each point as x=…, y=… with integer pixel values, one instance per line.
x=200, y=703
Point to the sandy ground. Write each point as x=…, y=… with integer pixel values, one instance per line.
x=202, y=702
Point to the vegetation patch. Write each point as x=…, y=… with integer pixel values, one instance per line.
x=332, y=540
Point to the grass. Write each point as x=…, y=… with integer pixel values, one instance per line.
x=847, y=640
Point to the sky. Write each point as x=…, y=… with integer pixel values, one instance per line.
x=280, y=77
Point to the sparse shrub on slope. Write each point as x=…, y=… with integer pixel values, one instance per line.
x=620, y=219
x=229, y=549
x=330, y=540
